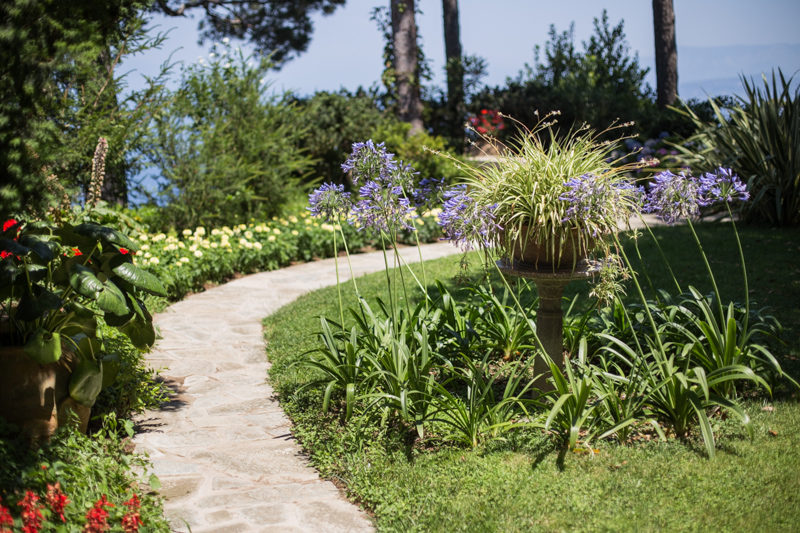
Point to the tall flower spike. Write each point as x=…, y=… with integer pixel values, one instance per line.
x=673, y=197
x=98, y=172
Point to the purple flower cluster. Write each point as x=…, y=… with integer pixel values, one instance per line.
x=330, y=202
x=382, y=207
x=673, y=196
x=464, y=222
x=429, y=194
x=370, y=161
x=722, y=186
x=596, y=202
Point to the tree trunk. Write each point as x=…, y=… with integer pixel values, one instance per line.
x=455, y=69
x=666, y=53
x=404, y=36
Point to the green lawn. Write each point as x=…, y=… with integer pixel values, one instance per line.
x=527, y=482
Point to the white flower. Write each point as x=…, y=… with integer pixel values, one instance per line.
x=327, y=227
x=143, y=237
x=271, y=238
x=187, y=232
x=212, y=55
x=214, y=245
x=181, y=245
x=184, y=259
x=148, y=255
x=154, y=260
x=215, y=231
x=192, y=248
x=198, y=253
x=293, y=219
x=259, y=229
x=295, y=232
x=200, y=231
x=248, y=245
x=145, y=247
x=227, y=65
x=248, y=234
x=257, y=245
x=243, y=242
x=225, y=40
x=276, y=231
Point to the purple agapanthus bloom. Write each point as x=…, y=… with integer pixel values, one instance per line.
x=329, y=202
x=429, y=194
x=370, y=161
x=596, y=202
x=382, y=208
x=464, y=222
x=722, y=186
x=673, y=197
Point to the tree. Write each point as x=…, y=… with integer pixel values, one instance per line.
x=454, y=67
x=279, y=27
x=666, y=53
x=404, y=39
x=46, y=49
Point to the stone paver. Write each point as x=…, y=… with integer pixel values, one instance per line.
x=222, y=446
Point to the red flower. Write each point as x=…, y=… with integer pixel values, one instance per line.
x=77, y=252
x=57, y=500
x=8, y=223
x=31, y=516
x=5, y=519
x=483, y=111
x=123, y=251
x=131, y=521
x=4, y=254
x=97, y=517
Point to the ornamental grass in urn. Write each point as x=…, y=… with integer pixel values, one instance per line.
x=546, y=214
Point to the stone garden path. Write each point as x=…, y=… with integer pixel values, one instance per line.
x=222, y=447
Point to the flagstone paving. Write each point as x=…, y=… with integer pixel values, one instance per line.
x=222, y=447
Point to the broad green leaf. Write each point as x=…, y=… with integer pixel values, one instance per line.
x=110, y=365
x=33, y=306
x=86, y=382
x=13, y=247
x=139, y=278
x=84, y=281
x=141, y=333
x=39, y=247
x=80, y=310
x=154, y=482
x=111, y=300
x=107, y=236
x=9, y=272
x=44, y=347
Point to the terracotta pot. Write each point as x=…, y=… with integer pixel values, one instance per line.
x=35, y=397
x=565, y=253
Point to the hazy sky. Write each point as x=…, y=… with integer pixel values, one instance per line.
x=346, y=46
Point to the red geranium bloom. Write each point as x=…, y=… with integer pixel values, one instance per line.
x=97, y=517
x=8, y=223
x=77, y=251
x=57, y=500
x=123, y=251
x=3, y=255
x=5, y=519
x=31, y=515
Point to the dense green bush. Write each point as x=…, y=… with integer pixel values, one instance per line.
x=228, y=149
x=758, y=136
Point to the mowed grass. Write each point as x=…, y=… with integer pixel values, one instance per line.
x=528, y=482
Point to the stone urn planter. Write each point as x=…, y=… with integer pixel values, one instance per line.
x=35, y=397
x=558, y=253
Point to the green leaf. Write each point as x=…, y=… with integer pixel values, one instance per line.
x=140, y=332
x=8, y=272
x=33, y=306
x=86, y=382
x=107, y=236
x=83, y=280
x=111, y=300
x=110, y=365
x=13, y=247
x=44, y=347
x=154, y=482
x=139, y=278
x=39, y=247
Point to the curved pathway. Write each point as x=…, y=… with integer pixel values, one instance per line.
x=222, y=447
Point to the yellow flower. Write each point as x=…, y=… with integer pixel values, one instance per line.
x=215, y=231
x=214, y=245
x=308, y=222
x=198, y=253
x=327, y=227
x=181, y=245
x=293, y=219
x=243, y=242
x=248, y=234
x=276, y=231
x=271, y=238
x=154, y=260
x=257, y=245
x=295, y=232
x=200, y=231
x=148, y=255
x=184, y=259
x=420, y=222
x=187, y=232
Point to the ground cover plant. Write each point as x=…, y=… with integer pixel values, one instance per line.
x=412, y=376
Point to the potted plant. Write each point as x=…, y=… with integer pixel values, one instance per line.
x=59, y=284
x=530, y=188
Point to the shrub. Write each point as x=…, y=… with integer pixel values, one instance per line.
x=758, y=136
x=229, y=150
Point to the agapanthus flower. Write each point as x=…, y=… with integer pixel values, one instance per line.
x=382, y=207
x=722, y=186
x=464, y=222
x=673, y=197
x=370, y=161
x=429, y=194
x=596, y=203
x=329, y=202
